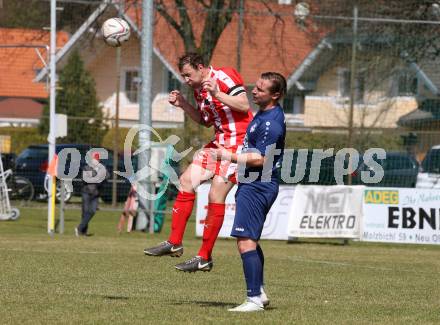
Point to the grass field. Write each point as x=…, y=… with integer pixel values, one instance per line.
x=106, y=279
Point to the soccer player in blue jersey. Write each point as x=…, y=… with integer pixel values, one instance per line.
x=260, y=160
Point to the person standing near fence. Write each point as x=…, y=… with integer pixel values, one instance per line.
x=262, y=154
x=94, y=174
x=130, y=210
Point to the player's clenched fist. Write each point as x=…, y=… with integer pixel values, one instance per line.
x=175, y=98
x=211, y=86
x=221, y=153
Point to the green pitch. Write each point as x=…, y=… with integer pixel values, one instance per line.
x=106, y=279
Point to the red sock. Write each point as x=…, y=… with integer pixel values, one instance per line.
x=213, y=224
x=182, y=210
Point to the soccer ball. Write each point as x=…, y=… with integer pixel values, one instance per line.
x=302, y=10
x=115, y=31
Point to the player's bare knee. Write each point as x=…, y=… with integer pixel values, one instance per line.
x=215, y=196
x=245, y=245
x=219, y=190
x=185, y=183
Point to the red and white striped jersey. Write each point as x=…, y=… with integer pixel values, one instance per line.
x=230, y=126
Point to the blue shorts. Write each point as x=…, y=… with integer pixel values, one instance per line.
x=252, y=204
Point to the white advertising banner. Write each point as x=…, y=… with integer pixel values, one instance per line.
x=326, y=212
x=405, y=215
x=275, y=226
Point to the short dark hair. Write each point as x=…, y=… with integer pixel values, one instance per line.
x=193, y=59
x=279, y=84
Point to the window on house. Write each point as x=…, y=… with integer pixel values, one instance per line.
x=293, y=103
x=131, y=87
x=407, y=83
x=359, y=86
x=172, y=82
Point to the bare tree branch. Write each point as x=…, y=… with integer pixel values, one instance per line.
x=160, y=7
x=203, y=3
x=269, y=9
x=185, y=23
x=215, y=22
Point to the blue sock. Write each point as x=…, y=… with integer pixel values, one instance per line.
x=252, y=272
x=261, y=256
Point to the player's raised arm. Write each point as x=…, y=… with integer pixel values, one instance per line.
x=235, y=98
x=250, y=159
x=175, y=98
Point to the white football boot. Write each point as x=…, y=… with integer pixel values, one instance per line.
x=264, y=298
x=248, y=306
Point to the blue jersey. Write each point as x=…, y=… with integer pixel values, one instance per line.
x=258, y=187
x=265, y=133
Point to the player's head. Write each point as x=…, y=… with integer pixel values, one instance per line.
x=269, y=89
x=193, y=69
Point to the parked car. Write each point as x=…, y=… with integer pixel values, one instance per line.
x=32, y=163
x=19, y=187
x=400, y=170
x=429, y=173
x=8, y=160
x=326, y=169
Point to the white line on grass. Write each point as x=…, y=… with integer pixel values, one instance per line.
x=345, y=264
x=47, y=251
x=294, y=259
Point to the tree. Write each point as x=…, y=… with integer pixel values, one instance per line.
x=24, y=14
x=417, y=41
x=76, y=97
x=392, y=35
x=217, y=15
x=34, y=14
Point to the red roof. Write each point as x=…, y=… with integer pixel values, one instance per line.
x=18, y=65
x=20, y=108
x=269, y=43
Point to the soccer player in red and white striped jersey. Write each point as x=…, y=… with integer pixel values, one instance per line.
x=230, y=124
x=222, y=103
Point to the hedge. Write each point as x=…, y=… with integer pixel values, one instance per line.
x=195, y=136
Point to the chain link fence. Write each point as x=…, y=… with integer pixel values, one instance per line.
x=359, y=77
